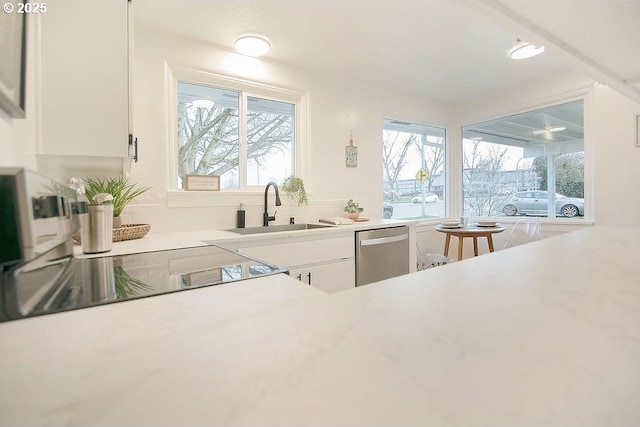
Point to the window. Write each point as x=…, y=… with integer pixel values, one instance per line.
x=526, y=164
x=247, y=139
x=413, y=162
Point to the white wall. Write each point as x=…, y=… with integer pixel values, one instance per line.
x=616, y=158
x=336, y=105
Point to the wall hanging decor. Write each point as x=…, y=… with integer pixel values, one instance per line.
x=351, y=153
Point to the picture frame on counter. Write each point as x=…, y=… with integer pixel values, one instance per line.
x=202, y=182
x=13, y=60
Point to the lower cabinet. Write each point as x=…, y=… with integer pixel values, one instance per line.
x=324, y=263
x=330, y=277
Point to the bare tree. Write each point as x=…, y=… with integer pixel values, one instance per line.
x=208, y=138
x=394, y=156
x=483, y=178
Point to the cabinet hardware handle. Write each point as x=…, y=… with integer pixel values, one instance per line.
x=383, y=240
x=135, y=147
x=309, y=276
x=135, y=150
x=300, y=277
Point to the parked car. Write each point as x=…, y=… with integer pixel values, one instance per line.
x=536, y=202
x=387, y=210
x=428, y=198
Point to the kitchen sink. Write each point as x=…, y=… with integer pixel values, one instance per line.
x=276, y=228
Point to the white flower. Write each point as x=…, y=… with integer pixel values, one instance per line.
x=102, y=198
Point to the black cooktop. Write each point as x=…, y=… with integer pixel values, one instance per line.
x=73, y=283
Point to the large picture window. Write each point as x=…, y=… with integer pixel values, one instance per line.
x=527, y=164
x=413, y=162
x=245, y=138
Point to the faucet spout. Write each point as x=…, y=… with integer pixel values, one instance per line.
x=265, y=216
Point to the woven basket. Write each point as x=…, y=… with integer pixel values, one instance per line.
x=126, y=232
x=130, y=232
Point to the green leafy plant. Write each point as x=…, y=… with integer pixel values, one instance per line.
x=294, y=187
x=128, y=286
x=118, y=187
x=353, y=207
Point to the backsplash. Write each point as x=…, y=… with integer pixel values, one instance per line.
x=201, y=212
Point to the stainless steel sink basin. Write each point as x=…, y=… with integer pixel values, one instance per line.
x=276, y=228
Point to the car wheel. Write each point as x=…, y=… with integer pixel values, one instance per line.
x=387, y=215
x=510, y=210
x=569, y=211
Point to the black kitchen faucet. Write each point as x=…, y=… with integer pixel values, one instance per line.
x=265, y=216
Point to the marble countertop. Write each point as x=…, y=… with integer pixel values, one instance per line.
x=188, y=239
x=543, y=334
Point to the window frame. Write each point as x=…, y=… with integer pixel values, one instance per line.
x=584, y=94
x=446, y=163
x=246, y=89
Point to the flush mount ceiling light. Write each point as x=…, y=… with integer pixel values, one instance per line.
x=525, y=50
x=549, y=130
x=252, y=45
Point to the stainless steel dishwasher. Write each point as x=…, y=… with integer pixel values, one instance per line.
x=381, y=253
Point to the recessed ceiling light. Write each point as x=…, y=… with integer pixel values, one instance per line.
x=252, y=45
x=525, y=50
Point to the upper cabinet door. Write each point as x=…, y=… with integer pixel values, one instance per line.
x=84, y=78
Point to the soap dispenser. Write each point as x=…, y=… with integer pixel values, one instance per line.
x=241, y=217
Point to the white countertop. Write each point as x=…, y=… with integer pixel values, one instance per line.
x=188, y=239
x=544, y=334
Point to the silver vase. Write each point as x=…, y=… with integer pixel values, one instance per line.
x=97, y=229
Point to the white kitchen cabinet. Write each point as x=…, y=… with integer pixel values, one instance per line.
x=329, y=277
x=328, y=263
x=84, y=73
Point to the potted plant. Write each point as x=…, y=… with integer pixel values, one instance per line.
x=353, y=209
x=119, y=187
x=294, y=187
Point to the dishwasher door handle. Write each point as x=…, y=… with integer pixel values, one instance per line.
x=383, y=240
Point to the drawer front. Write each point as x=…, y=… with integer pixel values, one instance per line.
x=303, y=253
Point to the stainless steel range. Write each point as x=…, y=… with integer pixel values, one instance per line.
x=36, y=217
x=40, y=275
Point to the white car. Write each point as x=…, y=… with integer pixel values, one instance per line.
x=428, y=198
x=536, y=203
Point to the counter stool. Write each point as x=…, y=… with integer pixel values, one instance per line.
x=432, y=260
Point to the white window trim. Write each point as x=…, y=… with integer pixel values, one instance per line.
x=583, y=93
x=175, y=73
x=447, y=164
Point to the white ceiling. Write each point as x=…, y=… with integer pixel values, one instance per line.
x=449, y=50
